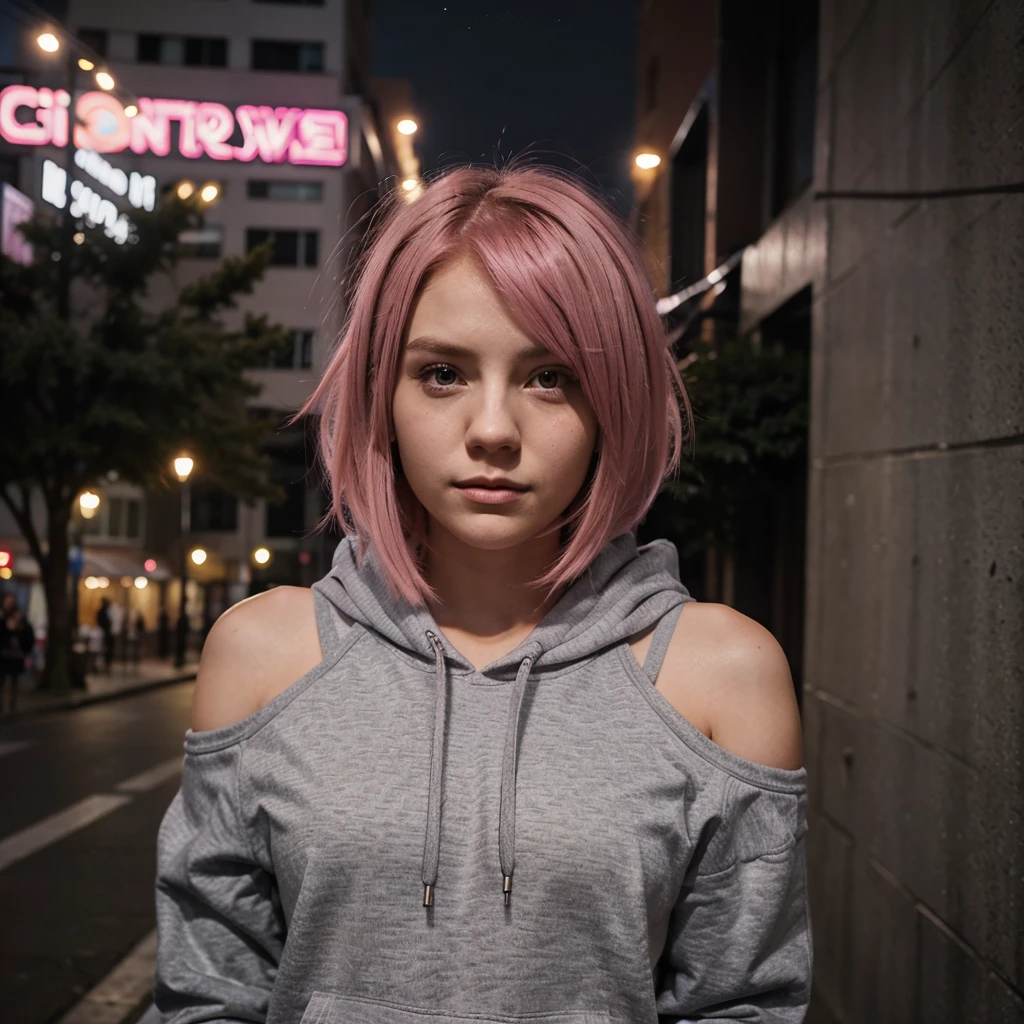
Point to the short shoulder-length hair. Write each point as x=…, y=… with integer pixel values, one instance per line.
x=573, y=276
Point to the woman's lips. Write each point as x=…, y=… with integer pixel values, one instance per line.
x=490, y=495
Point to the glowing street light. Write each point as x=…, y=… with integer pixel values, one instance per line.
x=88, y=502
x=48, y=42
x=141, y=583
x=85, y=64
x=183, y=466
x=261, y=556
x=185, y=189
x=209, y=192
x=105, y=80
x=131, y=110
x=409, y=184
x=647, y=161
x=407, y=126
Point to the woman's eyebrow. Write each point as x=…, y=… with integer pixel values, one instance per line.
x=438, y=347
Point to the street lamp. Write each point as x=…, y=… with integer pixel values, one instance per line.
x=407, y=126
x=88, y=504
x=182, y=469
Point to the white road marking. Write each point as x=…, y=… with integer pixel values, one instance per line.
x=32, y=839
x=54, y=828
x=121, y=991
x=13, y=746
x=151, y=778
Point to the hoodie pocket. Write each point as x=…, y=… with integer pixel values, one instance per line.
x=328, y=1008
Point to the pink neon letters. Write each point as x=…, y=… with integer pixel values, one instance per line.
x=273, y=134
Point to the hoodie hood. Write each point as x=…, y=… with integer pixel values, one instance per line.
x=624, y=591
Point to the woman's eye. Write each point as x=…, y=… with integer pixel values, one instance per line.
x=439, y=376
x=552, y=380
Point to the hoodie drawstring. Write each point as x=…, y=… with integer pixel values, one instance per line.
x=507, y=808
x=432, y=844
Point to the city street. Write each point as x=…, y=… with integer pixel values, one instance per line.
x=84, y=792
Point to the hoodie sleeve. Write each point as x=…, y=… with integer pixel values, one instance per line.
x=739, y=938
x=220, y=927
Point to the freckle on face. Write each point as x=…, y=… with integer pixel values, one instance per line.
x=493, y=422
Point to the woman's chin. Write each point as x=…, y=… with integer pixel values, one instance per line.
x=489, y=531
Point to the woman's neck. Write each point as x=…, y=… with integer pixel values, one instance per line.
x=484, y=593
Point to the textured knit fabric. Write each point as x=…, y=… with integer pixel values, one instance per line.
x=400, y=837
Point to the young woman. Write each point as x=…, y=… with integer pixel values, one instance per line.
x=497, y=765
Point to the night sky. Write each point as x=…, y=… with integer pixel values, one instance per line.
x=490, y=80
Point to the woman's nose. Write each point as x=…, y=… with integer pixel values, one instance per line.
x=493, y=424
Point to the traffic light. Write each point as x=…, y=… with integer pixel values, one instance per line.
x=6, y=560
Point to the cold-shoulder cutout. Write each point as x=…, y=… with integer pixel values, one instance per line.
x=254, y=651
x=726, y=675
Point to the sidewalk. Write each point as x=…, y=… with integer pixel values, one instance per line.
x=123, y=681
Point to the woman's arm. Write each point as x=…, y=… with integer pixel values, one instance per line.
x=739, y=945
x=221, y=930
x=219, y=923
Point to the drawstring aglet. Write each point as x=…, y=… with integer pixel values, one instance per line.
x=428, y=895
x=507, y=889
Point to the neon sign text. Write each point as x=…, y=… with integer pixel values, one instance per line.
x=85, y=203
x=275, y=135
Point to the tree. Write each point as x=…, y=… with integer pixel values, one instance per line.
x=751, y=410
x=118, y=388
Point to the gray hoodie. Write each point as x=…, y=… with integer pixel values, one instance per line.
x=398, y=837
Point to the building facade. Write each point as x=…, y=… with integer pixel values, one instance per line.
x=864, y=160
x=270, y=103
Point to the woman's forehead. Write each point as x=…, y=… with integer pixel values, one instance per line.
x=459, y=315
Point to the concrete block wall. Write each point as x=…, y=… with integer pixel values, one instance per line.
x=914, y=675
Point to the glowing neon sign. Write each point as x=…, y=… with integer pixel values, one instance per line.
x=275, y=135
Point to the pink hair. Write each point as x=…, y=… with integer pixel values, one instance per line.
x=567, y=270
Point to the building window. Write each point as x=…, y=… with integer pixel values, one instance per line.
x=201, y=243
x=95, y=39
x=115, y=515
x=796, y=83
x=688, y=204
x=191, y=51
x=299, y=191
x=291, y=248
x=276, y=55
x=305, y=345
x=296, y=354
x=287, y=518
x=123, y=520
x=651, y=86
x=214, y=510
x=131, y=520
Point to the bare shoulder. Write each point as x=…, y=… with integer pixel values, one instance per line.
x=733, y=671
x=255, y=650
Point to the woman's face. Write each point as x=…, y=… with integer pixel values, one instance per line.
x=478, y=398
